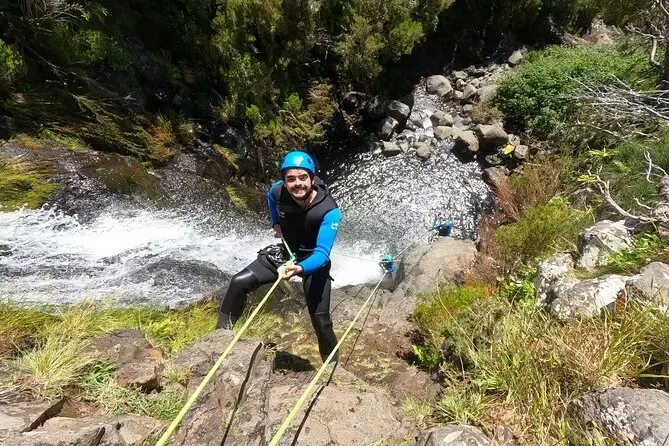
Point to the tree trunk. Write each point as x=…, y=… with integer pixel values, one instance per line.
x=665, y=64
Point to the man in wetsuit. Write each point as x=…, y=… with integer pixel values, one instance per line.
x=304, y=213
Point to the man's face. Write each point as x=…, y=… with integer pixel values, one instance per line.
x=298, y=182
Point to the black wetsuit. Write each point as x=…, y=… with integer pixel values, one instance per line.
x=300, y=228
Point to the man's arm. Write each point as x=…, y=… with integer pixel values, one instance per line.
x=271, y=204
x=324, y=241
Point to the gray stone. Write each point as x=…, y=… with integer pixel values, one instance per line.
x=466, y=142
x=515, y=58
x=438, y=85
x=20, y=413
x=457, y=95
x=443, y=132
x=89, y=436
x=453, y=435
x=398, y=111
x=387, y=128
x=521, y=152
x=120, y=347
x=375, y=109
x=651, y=284
x=491, y=136
x=126, y=430
x=143, y=375
x=440, y=118
x=602, y=238
x=460, y=75
x=467, y=108
x=342, y=415
x=233, y=407
x=423, y=151
x=549, y=272
x=460, y=84
x=573, y=298
x=390, y=149
x=630, y=416
x=469, y=92
x=404, y=146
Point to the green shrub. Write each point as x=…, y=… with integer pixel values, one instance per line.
x=533, y=96
x=10, y=63
x=540, y=231
x=647, y=247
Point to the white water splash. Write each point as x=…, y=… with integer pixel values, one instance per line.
x=135, y=255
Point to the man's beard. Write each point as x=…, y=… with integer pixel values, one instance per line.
x=300, y=194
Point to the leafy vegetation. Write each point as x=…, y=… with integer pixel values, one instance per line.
x=533, y=96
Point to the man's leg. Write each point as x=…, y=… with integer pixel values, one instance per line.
x=256, y=274
x=317, y=287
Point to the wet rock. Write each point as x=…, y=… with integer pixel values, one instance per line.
x=440, y=118
x=573, y=298
x=631, y=416
x=5, y=250
x=493, y=160
x=142, y=375
x=603, y=237
x=390, y=149
x=453, y=435
x=651, y=284
x=549, y=272
x=443, y=132
x=387, y=128
x=20, y=413
x=423, y=151
x=438, y=85
x=342, y=415
x=515, y=58
x=469, y=92
x=233, y=407
x=466, y=143
x=491, y=136
x=399, y=111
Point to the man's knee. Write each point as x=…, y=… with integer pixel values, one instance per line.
x=244, y=281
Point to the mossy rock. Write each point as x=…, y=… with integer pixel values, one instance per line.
x=24, y=184
x=122, y=175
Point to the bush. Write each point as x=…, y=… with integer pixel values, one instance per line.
x=540, y=231
x=10, y=63
x=533, y=96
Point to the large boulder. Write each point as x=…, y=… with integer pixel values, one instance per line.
x=399, y=111
x=571, y=297
x=497, y=178
x=233, y=407
x=340, y=416
x=126, y=430
x=515, y=58
x=630, y=416
x=453, y=435
x=439, y=85
x=469, y=92
x=602, y=238
x=651, y=284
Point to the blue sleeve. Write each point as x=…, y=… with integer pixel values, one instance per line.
x=271, y=204
x=324, y=241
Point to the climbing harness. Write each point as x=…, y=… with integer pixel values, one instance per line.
x=182, y=413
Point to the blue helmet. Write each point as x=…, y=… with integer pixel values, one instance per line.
x=298, y=160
